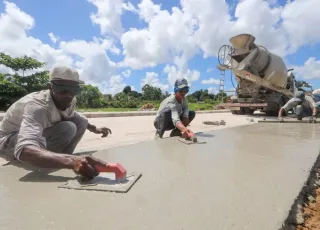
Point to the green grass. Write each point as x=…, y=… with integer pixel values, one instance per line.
x=192, y=106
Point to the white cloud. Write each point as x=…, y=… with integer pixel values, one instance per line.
x=174, y=74
x=112, y=86
x=209, y=70
x=301, y=20
x=126, y=73
x=310, y=69
x=175, y=37
x=53, y=38
x=213, y=90
x=147, y=10
x=211, y=81
x=14, y=25
x=92, y=61
x=153, y=80
x=108, y=16
x=129, y=7
x=168, y=38
x=171, y=37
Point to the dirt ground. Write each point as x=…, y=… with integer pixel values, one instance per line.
x=311, y=213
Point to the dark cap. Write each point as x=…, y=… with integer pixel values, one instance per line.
x=181, y=83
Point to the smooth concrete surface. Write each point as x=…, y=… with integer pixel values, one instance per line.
x=244, y=178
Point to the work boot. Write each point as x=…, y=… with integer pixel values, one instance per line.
x=175, y=133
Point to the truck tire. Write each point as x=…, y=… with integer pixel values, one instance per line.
x=238, y=112
x=249, y=111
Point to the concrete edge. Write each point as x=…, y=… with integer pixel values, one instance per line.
x=307, y=194
x=133, y=114
x=140, y=113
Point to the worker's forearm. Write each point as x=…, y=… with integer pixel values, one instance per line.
x=314, y=111
x=181, y=127
x=90, y=127
x=46, y=159
x=280, y=112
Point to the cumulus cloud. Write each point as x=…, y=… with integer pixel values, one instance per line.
x=175, y=37
x=126, y=73
x=14, y=26
x=153, y=80
x=168, y=38
x=310, y=69
x=174, y=73
x=213, y=90
x=90, y=58
x=129, y=7
x=108, y=16
x=210, y=81
x=171, y=37
x=300, y=21
x=53, y=38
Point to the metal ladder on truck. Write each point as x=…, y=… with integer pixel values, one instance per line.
x=221, y=85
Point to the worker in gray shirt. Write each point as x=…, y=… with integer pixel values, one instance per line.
x=304, y=106
x=173, y=113
x=43, y=128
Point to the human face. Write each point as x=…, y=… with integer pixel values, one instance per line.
x=182, y=93
x=63, y=92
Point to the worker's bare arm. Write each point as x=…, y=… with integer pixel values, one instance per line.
x=314, y=111
x=181, y=126
x=39, y=157
x=82, y=165
x=281, y=111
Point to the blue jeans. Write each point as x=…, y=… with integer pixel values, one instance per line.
x=303, y=112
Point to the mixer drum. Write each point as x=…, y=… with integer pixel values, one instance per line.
x=258, y=60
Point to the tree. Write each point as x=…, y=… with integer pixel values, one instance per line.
x=303, y=84
x=10, y=93
x=14, y=86
x=126, y=90
x=90, y=97
x=151, y=93
x=135, y=94
x=20, y=63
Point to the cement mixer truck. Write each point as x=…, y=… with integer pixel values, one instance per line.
x=263, y=81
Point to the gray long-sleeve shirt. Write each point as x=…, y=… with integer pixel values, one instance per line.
x=28, y=117
x=177, y=109
x=307, y=103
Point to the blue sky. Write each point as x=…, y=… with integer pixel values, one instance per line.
x=70, y=20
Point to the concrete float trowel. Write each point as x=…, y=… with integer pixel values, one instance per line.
x=191, y=140
x=120, y=181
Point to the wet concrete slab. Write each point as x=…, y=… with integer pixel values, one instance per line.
x=243, y=178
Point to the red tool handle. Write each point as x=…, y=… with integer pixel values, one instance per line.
x=116, y=168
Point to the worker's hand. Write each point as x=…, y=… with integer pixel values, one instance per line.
x=86, y=166
x=104, y=131
x=280, y=119
x=313, y=119
x=188, y=134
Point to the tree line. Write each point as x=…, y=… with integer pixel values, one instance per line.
x=17, y=84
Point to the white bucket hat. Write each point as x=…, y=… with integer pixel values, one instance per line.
x=65, y=73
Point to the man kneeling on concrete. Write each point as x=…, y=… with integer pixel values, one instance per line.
x=174, y=114
x=43, y=129
x=304, y=106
